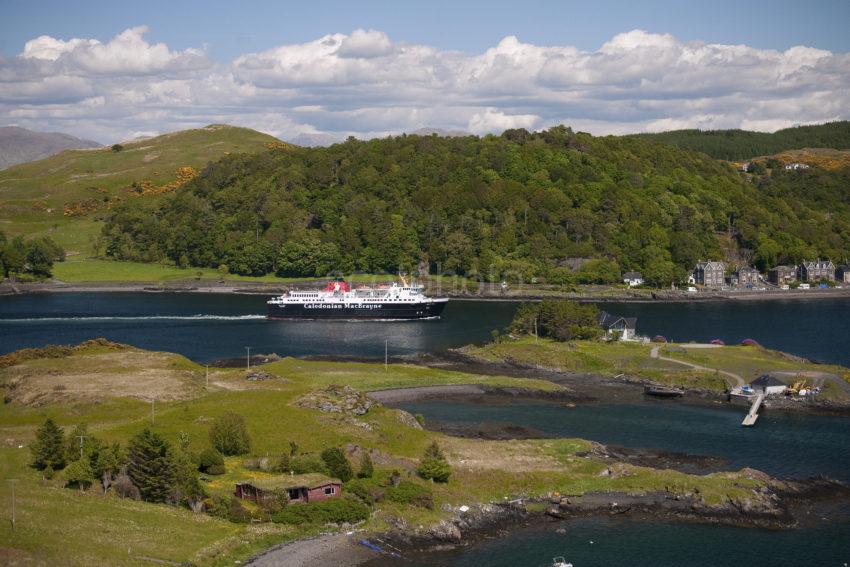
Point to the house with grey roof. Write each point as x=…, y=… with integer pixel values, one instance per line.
x=816, y=271
x=745, y=277
x=616, y=326
x=782, y=275
x=633, y=279
x=768, y=385
x=710, y=273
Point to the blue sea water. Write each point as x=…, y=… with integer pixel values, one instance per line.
x=205, y=327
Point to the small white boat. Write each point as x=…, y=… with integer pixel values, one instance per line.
x=560, y=562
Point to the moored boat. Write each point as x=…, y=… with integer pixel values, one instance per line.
x=663, y=391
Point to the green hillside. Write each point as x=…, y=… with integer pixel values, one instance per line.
x=518, y=206
x=737, y=145
x=64, y=195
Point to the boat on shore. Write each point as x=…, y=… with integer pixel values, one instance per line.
x=339, y=301
x=663, y=391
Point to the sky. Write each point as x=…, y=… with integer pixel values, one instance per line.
x=112, y=71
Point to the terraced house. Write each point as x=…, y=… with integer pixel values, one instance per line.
x=746, y=276
x=816, y=271
x=781, y=275
x=710, y=273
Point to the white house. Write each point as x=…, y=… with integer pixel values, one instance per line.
x=768, y=384
x=796, y=165
x=633, y=279
x=624, y=327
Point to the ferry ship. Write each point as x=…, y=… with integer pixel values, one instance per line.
x=339, y=301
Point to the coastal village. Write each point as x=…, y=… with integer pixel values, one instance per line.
x=717, y=275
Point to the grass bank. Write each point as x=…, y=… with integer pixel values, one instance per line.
x=633, y=359
x=56, y=524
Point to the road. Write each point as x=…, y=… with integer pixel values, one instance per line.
x=738, y=381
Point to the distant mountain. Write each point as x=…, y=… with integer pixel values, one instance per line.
x=64, y=195
x=19, y=145
x=314, y=140
x=737, y=145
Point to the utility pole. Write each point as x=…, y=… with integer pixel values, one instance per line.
x=13, y=481
x=386, y=355
x=535, y=330
x=207, y=374
x=81, y=444
x=247, y=348
x=153, y=411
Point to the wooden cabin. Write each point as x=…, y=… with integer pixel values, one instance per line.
x=311, y=487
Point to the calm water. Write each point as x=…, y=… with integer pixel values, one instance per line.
x=628, y=543
x=782, y=444
x=206, y=327
x=209, y=326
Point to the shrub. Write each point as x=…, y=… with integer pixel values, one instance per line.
x=366, y=489
x=229, y=434
x=334, y=511
x=337, y=464
x=211, y=461
x=124, y=487
x=308, y=464
x=411, y=493
x=79, y=474
x=229, y=508
x=367, y=469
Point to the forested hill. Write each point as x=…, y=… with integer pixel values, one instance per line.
x=519, y=205
x=738, y=145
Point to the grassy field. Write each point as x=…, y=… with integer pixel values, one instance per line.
x=79, y=269
x=633, y=359
x=55, y=524
x=34, y=196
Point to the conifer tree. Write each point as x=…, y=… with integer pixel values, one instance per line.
x=433, y=465
x=151, y=467
x=48, y=450
x=337, y=464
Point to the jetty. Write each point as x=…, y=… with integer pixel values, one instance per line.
x=753, y=414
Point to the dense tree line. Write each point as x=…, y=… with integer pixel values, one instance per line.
x=517, y=206
x=556, y=319
x=34, y=257
x=738, y=145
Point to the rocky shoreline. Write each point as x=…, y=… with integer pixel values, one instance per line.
x=483, y=294
x=779, y=505
x=589, y=388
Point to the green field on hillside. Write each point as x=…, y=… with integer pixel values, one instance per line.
x=33, y=195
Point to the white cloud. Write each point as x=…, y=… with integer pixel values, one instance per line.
x=495, y=121
x=366, y=84
x=365, y=44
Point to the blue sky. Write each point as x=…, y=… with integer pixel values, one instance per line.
x=231, y=28
x=334, y=68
